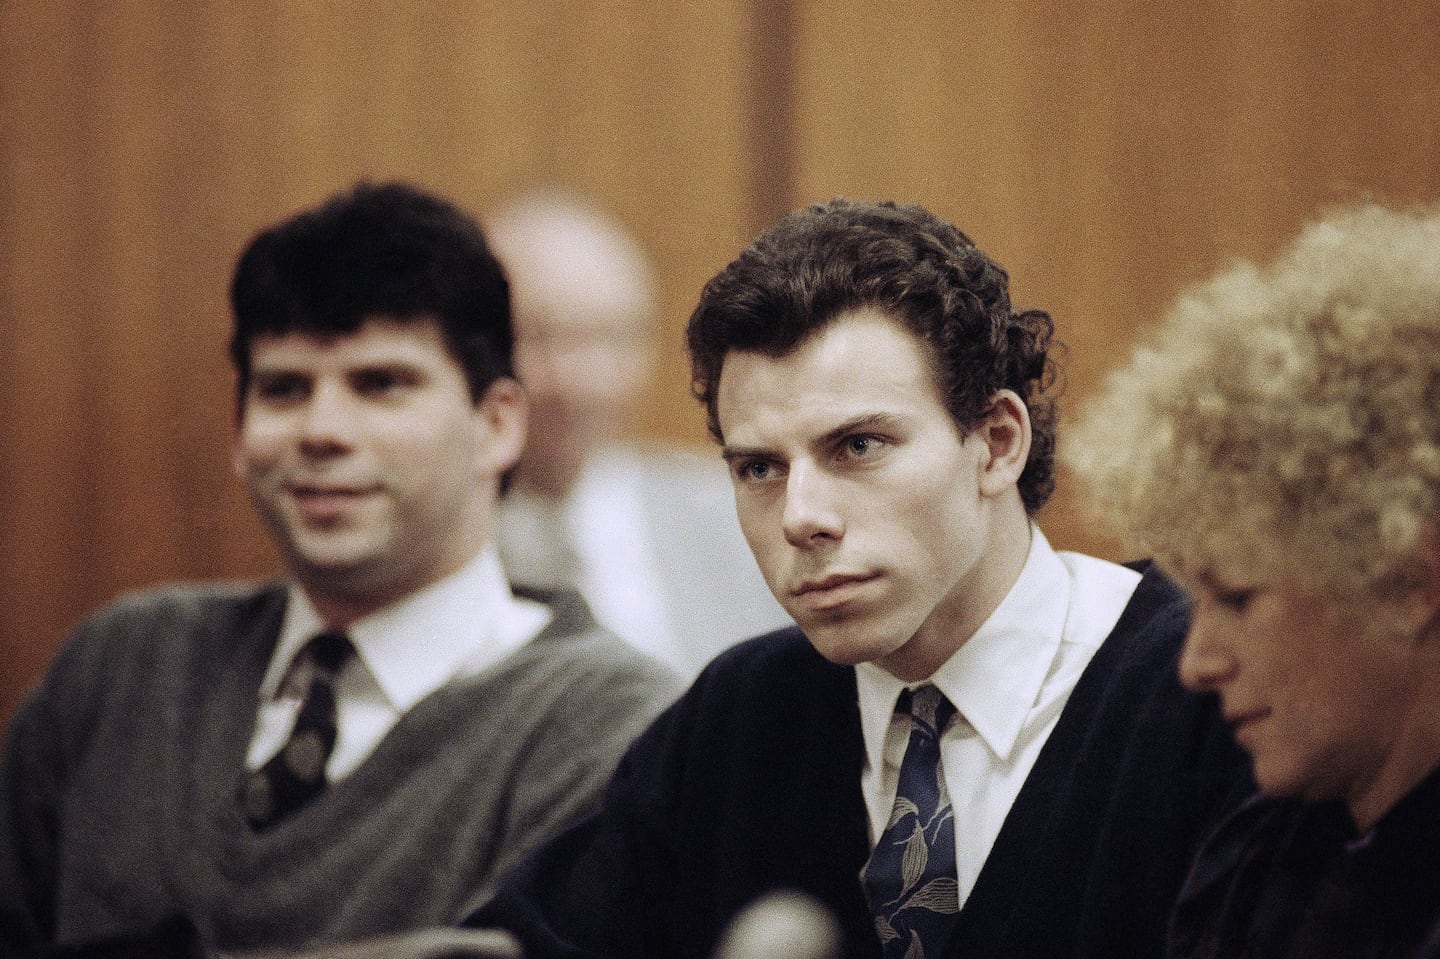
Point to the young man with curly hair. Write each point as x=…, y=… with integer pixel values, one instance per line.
x=1278, y=447
x=972, y=745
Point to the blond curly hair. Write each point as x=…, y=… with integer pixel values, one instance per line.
x=1282, y=425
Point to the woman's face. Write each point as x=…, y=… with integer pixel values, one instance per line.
x=1315, y=689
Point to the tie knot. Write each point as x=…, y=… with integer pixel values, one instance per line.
x=329, y=650
x=927, y=706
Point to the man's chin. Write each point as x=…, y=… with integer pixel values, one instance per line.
x=339, y=571
x=848, y=645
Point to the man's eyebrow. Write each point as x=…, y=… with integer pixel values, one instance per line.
x=859, y=424
x=732, y=453
x=384, y=365
x=276, y=369
x=884, y=422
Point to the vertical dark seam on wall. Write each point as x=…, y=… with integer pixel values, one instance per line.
x=772, y=111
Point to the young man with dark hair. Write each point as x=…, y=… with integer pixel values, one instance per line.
x=973, y=745
x=366, y=746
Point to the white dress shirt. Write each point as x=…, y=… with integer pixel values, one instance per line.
x=456, y=627
x=1009, y=683
x=598, y=541
x=605, y=515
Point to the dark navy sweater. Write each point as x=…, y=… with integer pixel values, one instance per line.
x=751, y=783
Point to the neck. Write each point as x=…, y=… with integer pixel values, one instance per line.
x=978, y=594
x=340, y=607
x=1414, y=751
x=342, y=598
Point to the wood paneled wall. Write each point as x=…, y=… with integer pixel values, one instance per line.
x=1110, y=153
x=1106, y=152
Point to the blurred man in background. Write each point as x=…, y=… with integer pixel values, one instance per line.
x=648, y=536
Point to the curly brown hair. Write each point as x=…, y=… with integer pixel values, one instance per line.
x=837, y=257
x=1283, y=424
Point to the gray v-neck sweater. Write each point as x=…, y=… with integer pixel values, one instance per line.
x=118, y=793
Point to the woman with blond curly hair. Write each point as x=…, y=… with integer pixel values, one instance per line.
x=1277, y=447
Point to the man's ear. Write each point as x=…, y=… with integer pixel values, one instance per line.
x=501, y=419
x=1005, y=428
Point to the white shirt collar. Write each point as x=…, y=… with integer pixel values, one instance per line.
x=459, y=625
x=1012, y=652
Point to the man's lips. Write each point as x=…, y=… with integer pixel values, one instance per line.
x=320, y=502
x=834, y=590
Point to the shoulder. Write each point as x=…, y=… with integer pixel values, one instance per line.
x=773, y=677
x=757, y=683
x=1152, y=627
x=1131, y=694
x=1157, y=603
x=576, y=657
x=161, y=618
x=781, y=655
x=122, y=653
x=1243, y=858
x=763, y=711
x=574, y=634
x=182, y=603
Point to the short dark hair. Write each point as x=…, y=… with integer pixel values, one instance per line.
x=386, y=249
x=840, y=256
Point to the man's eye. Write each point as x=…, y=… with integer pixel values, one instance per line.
x=754, y=471
x=379, y=382
x=857, y=446
x=279, y=389
x=757, y=471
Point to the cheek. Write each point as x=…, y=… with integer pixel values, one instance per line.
x=257, y=451
x=413, y=467
x=1332, y=719
x=762, y=532
x=1356, y=694
x=942, y=523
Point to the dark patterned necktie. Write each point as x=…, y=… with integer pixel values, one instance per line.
x=910, y=880
x=296, y=774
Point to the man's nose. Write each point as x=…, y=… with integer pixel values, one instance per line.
x=328, y=420
x=1206, y=663
x=812, y=514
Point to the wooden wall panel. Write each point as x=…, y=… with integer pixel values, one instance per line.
x=1109, y=153
x=145, y=142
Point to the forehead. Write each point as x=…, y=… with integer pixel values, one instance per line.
x=569, y=306
x=376, y=341
x=569, y=273
x=862, y=363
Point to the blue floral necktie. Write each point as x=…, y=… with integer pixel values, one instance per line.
x=910, y=879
